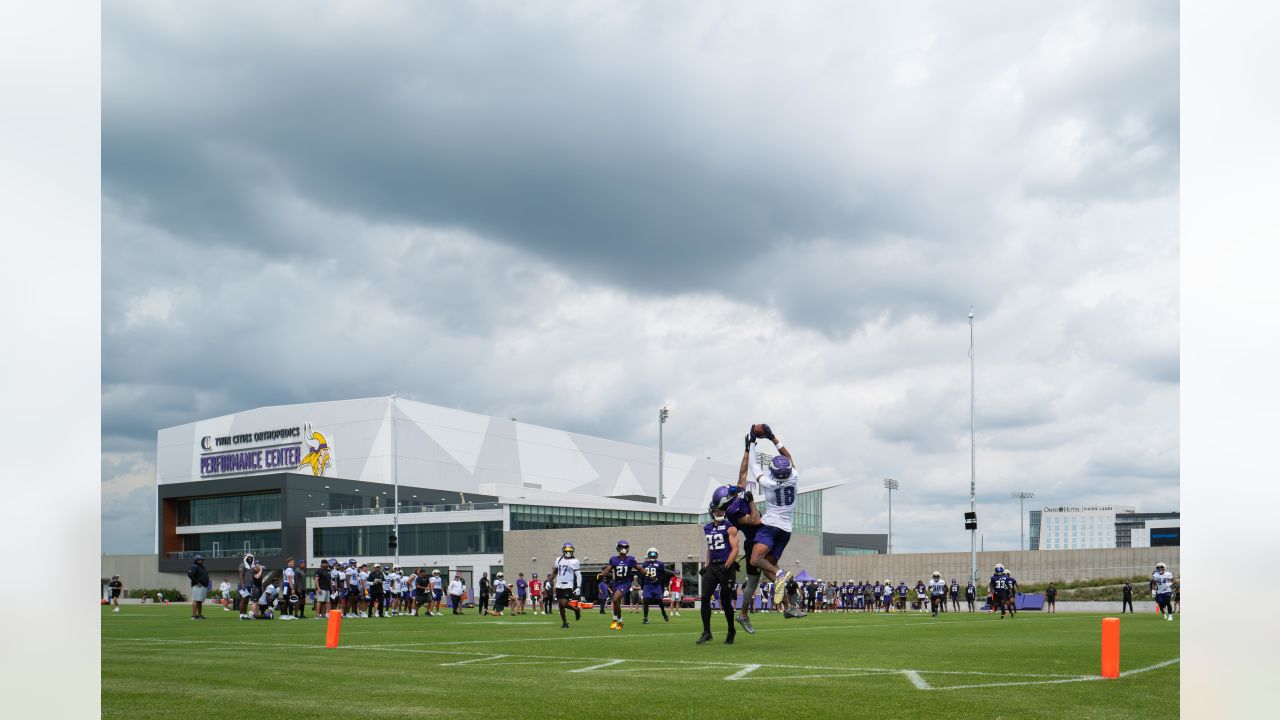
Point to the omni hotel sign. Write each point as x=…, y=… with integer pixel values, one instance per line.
x=280, y=449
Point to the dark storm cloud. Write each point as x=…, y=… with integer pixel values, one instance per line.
x=632, y=150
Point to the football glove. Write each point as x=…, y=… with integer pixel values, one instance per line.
x=767, y=432
x=746, y=445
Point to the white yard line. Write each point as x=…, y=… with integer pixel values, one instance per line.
x=916, y=680
x=611, y=663
x=472, y=660
x=745, y=671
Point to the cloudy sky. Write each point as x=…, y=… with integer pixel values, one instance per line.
x=573, y=213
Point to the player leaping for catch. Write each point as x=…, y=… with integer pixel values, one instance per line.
x=778, y=485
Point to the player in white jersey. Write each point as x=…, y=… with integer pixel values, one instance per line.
x=437, y=594
x=568, y=583
x=937, y=592
x=1162, y=584
x=501, y=595
x=289, y=590
x=393, y=582
x=365, y=604
x=777, y=482
x=352, y=575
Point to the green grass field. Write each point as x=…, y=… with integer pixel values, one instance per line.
x=158, y=663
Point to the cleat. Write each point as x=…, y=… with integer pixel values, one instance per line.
x=613, y=625
x=746, y=625
x=704, y=638
x=646, y=621
x=728, y=640
x=788, y=614
x=564, y=626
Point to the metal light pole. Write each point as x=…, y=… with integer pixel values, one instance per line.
x=1021, y=496
x=892, y=485
x=395, y=479
x=662, y=420
x=973, y=461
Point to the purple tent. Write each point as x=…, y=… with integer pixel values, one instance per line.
x=804, y=576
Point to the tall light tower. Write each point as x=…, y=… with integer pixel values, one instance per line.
x=395, y=479
x=892, y=485
x=973, y=464
x=1020, y=497
x=662, y=420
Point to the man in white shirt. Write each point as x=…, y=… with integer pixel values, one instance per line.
x=455, y=594
x=1162, y=584
x=778, y=486
x=225, y=589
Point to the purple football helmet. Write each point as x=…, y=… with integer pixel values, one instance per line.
x=721, y=498
x=780, y=468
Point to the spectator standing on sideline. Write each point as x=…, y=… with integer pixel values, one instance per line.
x=116, y=588
x=455, y=594
x=1051, y=597
x=224, y=589
x=324, y=582
x=1128, y=599
x=535, y=594
x=522, y=592
x=602, y=592
x=677, y=593
x=483, y=603
x=200, y=585
x=376, y=582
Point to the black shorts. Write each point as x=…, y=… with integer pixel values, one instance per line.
x=564, y=593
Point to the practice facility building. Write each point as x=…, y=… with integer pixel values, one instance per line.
x=389, y=479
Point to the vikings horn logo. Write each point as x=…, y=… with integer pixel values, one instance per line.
x=318, y=458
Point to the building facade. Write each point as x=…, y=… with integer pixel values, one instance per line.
x=1101, y=526
x=393, y=480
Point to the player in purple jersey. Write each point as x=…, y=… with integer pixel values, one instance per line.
x=620, y=572
x=722, y=563
x=653, y=578
x=743, y=515
x=1000, y=589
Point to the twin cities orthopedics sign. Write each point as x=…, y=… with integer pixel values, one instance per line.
x=265, y=450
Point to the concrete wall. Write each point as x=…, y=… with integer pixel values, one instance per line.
x=1028, y=566
x=675, y=543
x=139, y=571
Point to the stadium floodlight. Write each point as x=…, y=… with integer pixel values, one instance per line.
x=1021, y=496
x=395, y=479
x=662, y=420
x=973, y=461
x=892, y=485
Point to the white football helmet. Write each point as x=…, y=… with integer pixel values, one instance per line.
x=999, y=569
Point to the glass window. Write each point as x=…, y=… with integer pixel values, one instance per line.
x=230, y=509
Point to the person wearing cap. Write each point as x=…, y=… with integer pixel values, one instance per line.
x=421, y=591
x=455, y=594
x=324, y=585
x=200, y=585
x=376, y=580
x=116, y=588
x=535, y=594
x=302, y=589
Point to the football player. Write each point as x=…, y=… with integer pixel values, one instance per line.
x=741, y=512
x=289, y=590
x=653, y=577
x=1011, y=600
x=501, y=596
x=999, y=587
x=778, y=484
x=722, y=565
x=437, y=594
x=621, y=570
x=535, y=594
x=568, y=583
x=116, y=588
x=1162, y=584
x=246, y=586
x=937, y=593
